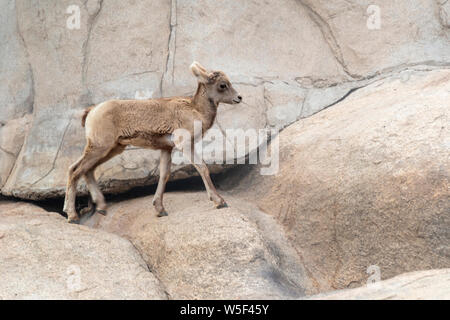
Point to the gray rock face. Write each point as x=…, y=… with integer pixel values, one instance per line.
x=12, y=136
x=369, y=37
x=419, y=285
x=17, y=89
x=288, y=62
x=365, y=183
x=198, y=252
x=43, y=257
x=444, y=13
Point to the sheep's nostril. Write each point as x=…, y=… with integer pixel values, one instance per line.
x=239, y=97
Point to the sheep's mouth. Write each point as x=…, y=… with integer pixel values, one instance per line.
x=236, y=101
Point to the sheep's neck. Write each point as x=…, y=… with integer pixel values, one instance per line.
x=205, y=105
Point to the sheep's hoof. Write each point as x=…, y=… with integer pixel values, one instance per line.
x=163, y=214
x=87, y=211
x=74, y=221
x=222, y=205
x=102, y=212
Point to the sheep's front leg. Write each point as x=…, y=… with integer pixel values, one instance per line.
x=165, y=162
x=202, y=169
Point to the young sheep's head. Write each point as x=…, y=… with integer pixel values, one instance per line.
x=217, y=84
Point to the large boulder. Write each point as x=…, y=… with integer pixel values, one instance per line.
x=44, y=257
x=73, y=68
x=198, y=252
x=365, y=184
x=16, y=90
x=419, y=285
x=368, y=37
x=288, y=61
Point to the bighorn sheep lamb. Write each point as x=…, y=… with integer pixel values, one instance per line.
x=112, y=125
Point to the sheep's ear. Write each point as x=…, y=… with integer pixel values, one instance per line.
x=200, y=72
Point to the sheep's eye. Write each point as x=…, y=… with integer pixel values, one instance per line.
x=223, y=86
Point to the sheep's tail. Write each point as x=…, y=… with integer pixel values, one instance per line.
x=85, y=114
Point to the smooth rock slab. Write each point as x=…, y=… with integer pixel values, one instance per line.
x=199, y=252
x=419, y=285
x=44, y=257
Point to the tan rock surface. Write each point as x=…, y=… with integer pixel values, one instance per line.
x=44, y=257
x=419, y=285
x=366, y=182
x=199, y=252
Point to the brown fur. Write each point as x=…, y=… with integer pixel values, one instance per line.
x=85, y=114
x=112, y=125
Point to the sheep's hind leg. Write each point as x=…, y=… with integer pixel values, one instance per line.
x=89, y=209
x=97, y=204
x=164, y=174
x=69, y=200
x=96, y=194
x=91, y=156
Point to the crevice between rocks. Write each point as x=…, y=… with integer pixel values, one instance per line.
x=85, y=49
x=153, y=272
x=56, y=155
x=329, y=38
x=171, y=48
x=342, y=98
